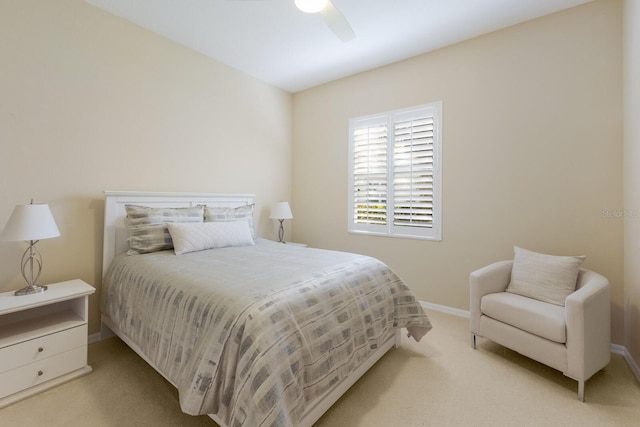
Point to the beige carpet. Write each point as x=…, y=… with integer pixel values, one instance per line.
x=438, y=382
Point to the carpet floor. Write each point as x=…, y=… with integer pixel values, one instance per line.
x=440, y=381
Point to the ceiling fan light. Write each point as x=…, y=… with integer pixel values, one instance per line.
x=311, y=6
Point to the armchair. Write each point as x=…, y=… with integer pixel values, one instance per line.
x=574, y=338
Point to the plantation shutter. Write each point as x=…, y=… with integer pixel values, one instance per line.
x=395, y=174
x=413, y=172
x=370, y=142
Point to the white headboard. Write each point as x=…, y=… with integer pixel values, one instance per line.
x=115, y=230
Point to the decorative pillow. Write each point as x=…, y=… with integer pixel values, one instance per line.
x=547, y=278
x=209, y=235
x=220, y=214
x=148, y=226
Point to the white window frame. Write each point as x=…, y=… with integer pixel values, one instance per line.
x=389, y=119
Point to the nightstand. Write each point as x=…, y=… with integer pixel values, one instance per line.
x=43, y=339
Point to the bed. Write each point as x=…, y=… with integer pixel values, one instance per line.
x=256, y=333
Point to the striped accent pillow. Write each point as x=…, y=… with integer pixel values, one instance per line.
x=148, y=230
x=547, y=278
x=243, y=213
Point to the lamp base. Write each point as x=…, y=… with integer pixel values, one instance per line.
x=31, y=289
x=281, y=232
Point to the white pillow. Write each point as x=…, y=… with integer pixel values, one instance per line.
x=215, y=214
x=191, y=237
x=547, y=278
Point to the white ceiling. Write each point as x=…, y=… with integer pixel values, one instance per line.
x=275, y=42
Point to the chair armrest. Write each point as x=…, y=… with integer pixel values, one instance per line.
x=588, y=317
x=487, y=280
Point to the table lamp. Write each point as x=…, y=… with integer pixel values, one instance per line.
x=31, y=223
x=281, y=211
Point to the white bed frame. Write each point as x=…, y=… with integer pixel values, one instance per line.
x=115, y=242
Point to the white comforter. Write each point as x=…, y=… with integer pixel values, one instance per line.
x=254, y=334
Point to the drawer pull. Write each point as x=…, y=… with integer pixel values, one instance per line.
x=40, y=349
x=40, y=373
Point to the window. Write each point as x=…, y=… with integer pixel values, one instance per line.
x=394, y=173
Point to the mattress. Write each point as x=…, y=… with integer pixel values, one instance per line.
x=255, y=334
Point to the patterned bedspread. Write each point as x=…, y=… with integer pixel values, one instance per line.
x=254, y=334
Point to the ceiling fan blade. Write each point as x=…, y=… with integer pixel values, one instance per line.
x=338, y=23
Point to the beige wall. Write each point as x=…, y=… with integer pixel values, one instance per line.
x=532, y=142
x=90, y=102
x=532, y=152
x=632, y=176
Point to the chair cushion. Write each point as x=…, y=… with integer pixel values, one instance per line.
x=547, y=278
x=536, y=317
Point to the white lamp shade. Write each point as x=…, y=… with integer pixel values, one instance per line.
x=311, y=6
x=281, y=210
x=30, y=222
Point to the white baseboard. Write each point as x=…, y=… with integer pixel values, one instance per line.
x=622, y=350
x=445, y=309
x=94, y=338
x=615, y=348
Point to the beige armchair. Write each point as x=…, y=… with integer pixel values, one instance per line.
x=574, y=338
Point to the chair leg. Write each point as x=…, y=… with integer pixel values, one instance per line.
x=473, y=340
x=581, y=391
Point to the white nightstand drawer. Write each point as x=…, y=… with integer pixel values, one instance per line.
x=42, y=348
x=44, y=370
